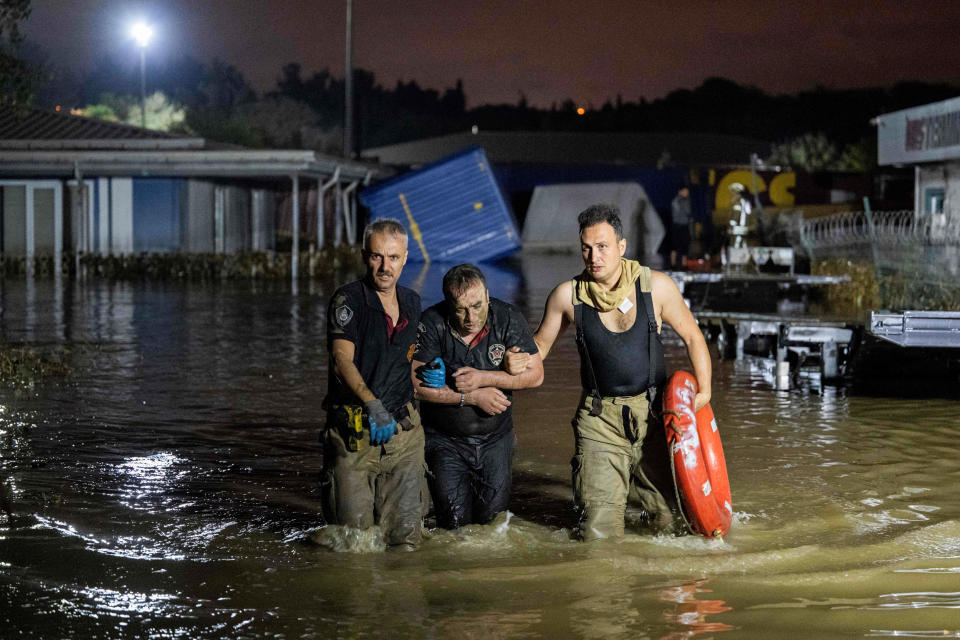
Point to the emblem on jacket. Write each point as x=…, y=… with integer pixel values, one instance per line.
x=496, y=354
x=343, y=315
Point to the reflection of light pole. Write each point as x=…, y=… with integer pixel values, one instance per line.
x=142, y=33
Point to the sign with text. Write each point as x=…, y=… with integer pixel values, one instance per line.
x=920, y=134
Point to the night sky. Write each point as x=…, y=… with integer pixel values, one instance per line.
x=550, y=51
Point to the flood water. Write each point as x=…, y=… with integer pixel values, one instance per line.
x=167, y=489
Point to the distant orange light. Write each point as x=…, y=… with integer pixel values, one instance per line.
x=57, y=108
x=581, y=111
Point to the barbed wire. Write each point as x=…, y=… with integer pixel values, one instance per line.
x=882, y=227
x=926, y=248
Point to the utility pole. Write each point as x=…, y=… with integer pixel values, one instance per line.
x=348, y=87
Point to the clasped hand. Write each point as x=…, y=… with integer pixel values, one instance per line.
x=465, y=379
x=434, y=374
x=468, y=379
x=515, y=361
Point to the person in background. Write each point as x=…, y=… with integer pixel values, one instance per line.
x=680, y=223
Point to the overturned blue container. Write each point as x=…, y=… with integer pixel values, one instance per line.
x=453, y=209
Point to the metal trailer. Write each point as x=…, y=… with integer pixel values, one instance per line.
x=792, y=341
x=916, y=328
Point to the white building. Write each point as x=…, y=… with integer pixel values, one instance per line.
x=72, y=183
x=927, y=137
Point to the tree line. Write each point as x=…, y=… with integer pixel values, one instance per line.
x=824, y=127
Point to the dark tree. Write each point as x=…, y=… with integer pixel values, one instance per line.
x=16, y=76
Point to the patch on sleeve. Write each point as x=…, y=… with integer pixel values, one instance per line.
x=343, y=315
x=495, y=353
x=413, y=348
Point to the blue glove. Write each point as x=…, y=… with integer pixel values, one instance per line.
x=434, y=374
x=382, y=424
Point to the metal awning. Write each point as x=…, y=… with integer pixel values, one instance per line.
x=916, y=328
x=183, y=163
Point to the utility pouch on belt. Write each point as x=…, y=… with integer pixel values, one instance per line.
x=352, y=427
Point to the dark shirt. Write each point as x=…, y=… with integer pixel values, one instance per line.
x=382, y=352
x=680, y=210
x=506, y=328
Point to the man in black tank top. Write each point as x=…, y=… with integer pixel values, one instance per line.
x=466, y=396
x=617, y=306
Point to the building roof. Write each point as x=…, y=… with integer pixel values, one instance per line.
x=37, y=129
x=646, y=149
x=43, y=143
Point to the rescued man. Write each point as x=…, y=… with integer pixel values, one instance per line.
x=617, y=307
x=373, y=443
x=466, y=396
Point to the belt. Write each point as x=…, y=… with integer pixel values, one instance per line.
x=355, y=414
x=402, y=415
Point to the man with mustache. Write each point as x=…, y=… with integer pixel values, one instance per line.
x=466, y=414
x=617, y=307
x=373, y=443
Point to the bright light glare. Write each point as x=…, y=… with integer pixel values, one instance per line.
x=581, y=111
x=142, y=33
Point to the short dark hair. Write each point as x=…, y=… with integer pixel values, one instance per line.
x=387, y=226
x=459, y=278
x=599, y=213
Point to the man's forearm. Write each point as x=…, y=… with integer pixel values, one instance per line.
x=532, y=376
x=351, y=376
x=702, y=368
x=446, y=395
x=542, y=348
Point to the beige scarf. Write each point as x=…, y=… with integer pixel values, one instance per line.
x=589, y=292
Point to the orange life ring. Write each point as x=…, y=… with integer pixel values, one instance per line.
x=696, y=456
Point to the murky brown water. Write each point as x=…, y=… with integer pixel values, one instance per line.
x=167, y=490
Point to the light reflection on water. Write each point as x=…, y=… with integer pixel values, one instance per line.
x=168, y=489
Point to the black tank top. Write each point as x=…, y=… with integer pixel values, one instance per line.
x=621, y=361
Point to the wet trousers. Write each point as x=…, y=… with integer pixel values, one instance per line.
x=620, y=454
x=470, y=483
x=380, y=485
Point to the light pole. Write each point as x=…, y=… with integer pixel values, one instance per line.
x=142, y=33
x=348, y=87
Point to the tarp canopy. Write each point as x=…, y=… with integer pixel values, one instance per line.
x=551, y=221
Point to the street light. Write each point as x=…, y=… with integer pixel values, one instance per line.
x=142, y=33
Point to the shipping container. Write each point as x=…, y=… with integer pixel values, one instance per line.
x=453, y=209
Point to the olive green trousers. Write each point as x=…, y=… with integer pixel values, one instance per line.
x=377, y=485
x=620, y=455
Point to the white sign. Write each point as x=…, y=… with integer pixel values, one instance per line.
x=921, y=134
